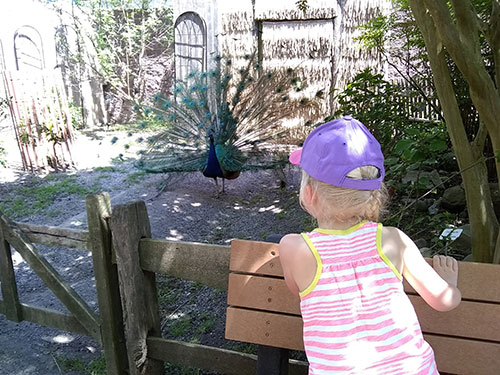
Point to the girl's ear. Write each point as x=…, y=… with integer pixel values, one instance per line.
x=307, y=197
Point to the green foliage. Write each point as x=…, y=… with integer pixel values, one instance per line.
x=180, y=326
x=123, y=33
x=207, y=323
x=386, y=109
x=302, y=5
x=23, y=201
x=76, y=365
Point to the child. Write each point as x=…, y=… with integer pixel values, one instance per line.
x=348, y=272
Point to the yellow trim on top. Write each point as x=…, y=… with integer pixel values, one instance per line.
x=382, y=255
x=341, y=231
x=319, y=266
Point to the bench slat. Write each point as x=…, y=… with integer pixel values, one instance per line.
x=453, y=355
x=255, y=257
x=462, y=356
x=470, y=319
x=262, y=258
x=475, y=281
x=265, y=328
x=262, y=293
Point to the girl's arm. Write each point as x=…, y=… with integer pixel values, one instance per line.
x=297, y=261
x=438, y=285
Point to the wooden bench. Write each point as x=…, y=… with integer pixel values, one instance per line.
x=262, y=311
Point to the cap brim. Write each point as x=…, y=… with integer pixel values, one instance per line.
x=295, y=157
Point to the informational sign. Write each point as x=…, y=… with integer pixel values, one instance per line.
x=450, y=234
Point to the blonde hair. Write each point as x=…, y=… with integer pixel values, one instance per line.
x=343, y=204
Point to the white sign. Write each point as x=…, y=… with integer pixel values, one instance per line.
x=451, y=234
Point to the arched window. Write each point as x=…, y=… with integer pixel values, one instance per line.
x=28, y=49
x=190, y=44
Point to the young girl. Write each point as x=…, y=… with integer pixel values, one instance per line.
x=348, y=272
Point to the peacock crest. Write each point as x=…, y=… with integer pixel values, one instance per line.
x=225, y=120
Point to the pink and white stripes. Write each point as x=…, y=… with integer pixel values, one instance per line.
x=357, y=318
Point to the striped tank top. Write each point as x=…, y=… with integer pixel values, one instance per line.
x=357, y=317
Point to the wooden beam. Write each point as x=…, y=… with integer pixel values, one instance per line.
x=62, y=290
x=10, y=295
x=130, y=223
x=207, y=264
x=55, y=236
x=51, y=318
x=206, y=357
x=108, y=291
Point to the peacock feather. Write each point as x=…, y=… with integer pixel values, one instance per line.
x=225, y=120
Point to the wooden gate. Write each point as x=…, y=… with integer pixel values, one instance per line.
x=105, y=328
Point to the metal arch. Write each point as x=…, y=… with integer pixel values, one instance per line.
x=39, y=46
x=3, y=67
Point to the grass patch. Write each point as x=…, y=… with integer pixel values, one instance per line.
x=207, y=323
x=135, y=177
x=172, y=369
x=108, y=169
x=72, y=365
x=23, y=201
x=180, y=326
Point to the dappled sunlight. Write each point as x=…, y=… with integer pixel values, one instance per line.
x=272, y=208
x=174, y=235
x=63, y=338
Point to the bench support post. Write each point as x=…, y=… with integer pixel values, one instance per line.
x=272, y=361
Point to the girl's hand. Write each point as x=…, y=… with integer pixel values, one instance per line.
x=447, y=268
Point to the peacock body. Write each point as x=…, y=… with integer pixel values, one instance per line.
x=224, y=121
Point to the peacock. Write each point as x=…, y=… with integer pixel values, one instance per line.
x=225, y=120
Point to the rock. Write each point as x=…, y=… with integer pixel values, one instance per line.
x=434, y=207
x=421, y=243
x=274, y=238
x=426, y=252
x=449, y=162
x=421, y=206
x=454, y=199
x=463, y=244
x=412, y=175
x=468, y=258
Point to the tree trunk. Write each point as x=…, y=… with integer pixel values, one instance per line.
x=484, y=224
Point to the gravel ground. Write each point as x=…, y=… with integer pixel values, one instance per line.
x=253, y=207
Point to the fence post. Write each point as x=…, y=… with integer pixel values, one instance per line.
x=130, y=223
x=13, y=310
x=106, y=276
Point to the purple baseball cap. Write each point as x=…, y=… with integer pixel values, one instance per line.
x=334, y=149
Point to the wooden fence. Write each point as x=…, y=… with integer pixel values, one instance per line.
x=134, y=346
x=105, y=327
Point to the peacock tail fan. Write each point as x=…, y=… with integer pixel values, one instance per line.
x=241, y=110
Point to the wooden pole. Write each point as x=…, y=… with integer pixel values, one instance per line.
x=130, y=223
x=13, y=309
x=106, y=277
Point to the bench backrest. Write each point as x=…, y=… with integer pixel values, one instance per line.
x=263, y=311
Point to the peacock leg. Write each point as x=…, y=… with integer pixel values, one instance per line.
x=216, y=187
x=223, y=180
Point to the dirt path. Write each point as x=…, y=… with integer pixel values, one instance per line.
x=253, y=207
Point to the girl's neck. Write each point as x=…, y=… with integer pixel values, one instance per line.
x=337, y=225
